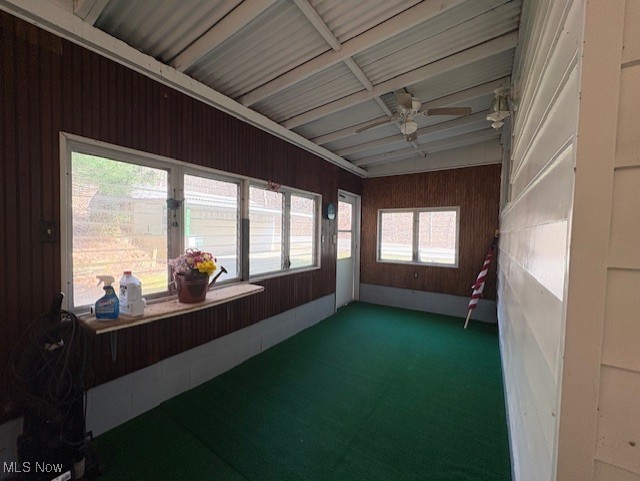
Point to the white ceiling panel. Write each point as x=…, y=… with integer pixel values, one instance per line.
x=393, y=145
x=268, y=46
x=429, y=30
x=350, y=18
x=476, y=104
x=409, y=55
x=461, y=140
x=381, y=132
x=340, y=120
x=330, y=84
x=162, y=29
x=476, y=73
x=462, y=129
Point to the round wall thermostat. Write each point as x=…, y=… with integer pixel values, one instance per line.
x=331, y=211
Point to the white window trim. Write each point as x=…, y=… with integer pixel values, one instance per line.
x=188, y=169
x=317, y=256
x=177, y=169
x=351, y=230
x=415, y=247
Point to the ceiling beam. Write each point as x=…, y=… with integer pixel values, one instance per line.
x=316, y=20
x=381, y=103
x=432, y=147
x=89, y=10
x=467, y=120
x=400, y=23
x=452, y=62
x=360, y=75
x=221, y=31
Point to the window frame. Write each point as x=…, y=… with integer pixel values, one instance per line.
x=188, y=169
x=351, y=231
x=415, y=248
x=286, y=225
x=70, y=143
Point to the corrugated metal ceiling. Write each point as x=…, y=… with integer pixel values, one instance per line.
x=451, y=32
x=279, y=48
x=330, y=84
x=265, y=48
x=348, y=19
x=162, y=29
x=340, y=120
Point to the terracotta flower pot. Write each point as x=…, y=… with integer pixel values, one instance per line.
x=191, y=289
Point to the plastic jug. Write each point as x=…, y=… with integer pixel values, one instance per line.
x=131, y=301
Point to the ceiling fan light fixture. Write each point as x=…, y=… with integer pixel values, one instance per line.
x=499, y=109
x=409, y=127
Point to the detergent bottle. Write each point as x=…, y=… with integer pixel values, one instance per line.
x=131, y=301
x=108, y=306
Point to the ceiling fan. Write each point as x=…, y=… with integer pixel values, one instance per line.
x=408, y=108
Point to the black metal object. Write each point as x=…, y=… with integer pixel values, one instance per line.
x=48, y=370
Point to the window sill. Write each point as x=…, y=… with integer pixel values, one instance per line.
x=414, y=263
x=169, y=308
x=287, y=272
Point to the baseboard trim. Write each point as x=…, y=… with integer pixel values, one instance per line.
x=428, y=302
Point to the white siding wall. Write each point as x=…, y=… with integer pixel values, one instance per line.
x=535, y=229
x=569, y=265
x=617, y=449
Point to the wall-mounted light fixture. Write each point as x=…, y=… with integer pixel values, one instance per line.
x=499, y=109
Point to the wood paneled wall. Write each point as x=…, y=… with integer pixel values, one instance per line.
x=48, y=85
x=475, y=189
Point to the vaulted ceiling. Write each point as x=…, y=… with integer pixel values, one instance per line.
x=327, y=68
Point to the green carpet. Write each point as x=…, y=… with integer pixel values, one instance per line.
x=372, y=393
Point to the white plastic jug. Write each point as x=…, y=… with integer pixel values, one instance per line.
x=131, y=301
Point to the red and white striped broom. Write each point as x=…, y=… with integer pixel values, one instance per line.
x=478, y=287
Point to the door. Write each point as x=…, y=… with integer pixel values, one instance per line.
x=348, y=240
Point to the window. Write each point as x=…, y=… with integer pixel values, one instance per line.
x=211, y=219
x=396, y=236
x=129, y=210
x=345, y=227
x=419, y=236
x=283, y=230
x=302, y=231
x=119, y=222
x=265, y=234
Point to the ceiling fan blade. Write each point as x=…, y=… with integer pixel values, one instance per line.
x=448, y=111
x=404, y=100
x=374, y=124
